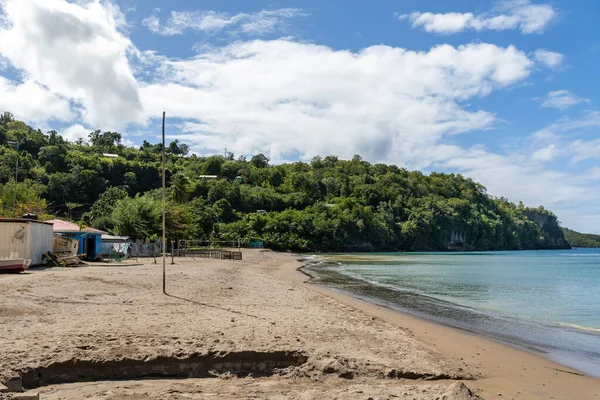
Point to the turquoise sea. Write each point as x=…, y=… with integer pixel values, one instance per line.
x=546, y=301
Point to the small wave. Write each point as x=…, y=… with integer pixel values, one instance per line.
x=579, y=327
x=318, y=259
x=471, y=307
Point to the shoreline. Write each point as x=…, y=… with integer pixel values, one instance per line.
x=531, y=344
x=252, y=328
x=503, y=368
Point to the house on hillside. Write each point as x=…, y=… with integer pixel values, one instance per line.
x=90, y=239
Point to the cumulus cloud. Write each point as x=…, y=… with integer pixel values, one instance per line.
x=296, y=98
x=76, y=52
x=549, y=58
x=74, y=132
x=562, y=99
x=514, y=14
x=33, y=102
x=259, y=23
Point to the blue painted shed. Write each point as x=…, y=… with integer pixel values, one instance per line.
x=90, y=239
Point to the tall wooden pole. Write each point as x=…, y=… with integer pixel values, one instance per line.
x=164, y=218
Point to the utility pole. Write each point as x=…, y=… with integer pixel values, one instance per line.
x=172, y=252
x=164, y=218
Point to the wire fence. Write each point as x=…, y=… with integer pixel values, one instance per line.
x=147, y=249
x=208, y=244
x=217, y=249
x=220, y=249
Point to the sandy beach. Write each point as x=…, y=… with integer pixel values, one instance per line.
x=243, y=329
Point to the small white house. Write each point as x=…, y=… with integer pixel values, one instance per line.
x=24, y=238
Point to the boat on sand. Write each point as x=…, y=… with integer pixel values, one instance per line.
x=15, y=264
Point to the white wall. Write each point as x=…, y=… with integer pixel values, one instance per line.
x=25, y=239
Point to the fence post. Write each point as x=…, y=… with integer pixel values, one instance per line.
x=172, y=252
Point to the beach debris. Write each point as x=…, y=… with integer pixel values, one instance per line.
x=26, y=396
x=458, y=390
x=340, y=367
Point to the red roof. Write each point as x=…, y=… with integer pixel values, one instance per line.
x=65, y=226
x=94, y=230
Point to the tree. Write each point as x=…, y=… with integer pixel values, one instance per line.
x=6, y=117
x=107, y=141
x=178, y=148
x=260, y=161
x=138, y=217
x=103, y=207
x=180, y=184
x=213, y=165
x=130, y=182
x=60, y=187
x=52, y=158
x=22, y=198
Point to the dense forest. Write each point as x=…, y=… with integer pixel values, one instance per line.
x=327, y=204
x=577, y=239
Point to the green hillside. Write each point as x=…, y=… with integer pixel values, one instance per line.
x=327, y=204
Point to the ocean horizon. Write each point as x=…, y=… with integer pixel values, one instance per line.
x=543, y=301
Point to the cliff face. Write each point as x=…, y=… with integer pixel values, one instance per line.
x=551, y=235
x=538, y=229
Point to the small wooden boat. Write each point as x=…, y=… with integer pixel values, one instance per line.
x=14, y=264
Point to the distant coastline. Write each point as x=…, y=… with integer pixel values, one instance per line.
x=584, y=240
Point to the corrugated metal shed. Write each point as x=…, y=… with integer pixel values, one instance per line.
x=24, y=238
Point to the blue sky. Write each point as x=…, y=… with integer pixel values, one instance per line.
x=502, y=91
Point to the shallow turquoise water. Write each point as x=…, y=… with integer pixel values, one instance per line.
x=546, y=301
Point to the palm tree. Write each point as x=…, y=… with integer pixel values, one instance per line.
x=181, y=187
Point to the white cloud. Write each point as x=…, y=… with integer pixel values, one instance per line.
x=562, y=138
x=584, y=149
x=32, y=102
x=589, y=120
x=519, y=179
x=259, y=23
x=515, y=14
x=76, y=131
x=383, y=102
x=77, y=53
x=550, y=58
x=594, y=173
x=547, y=153
x=562, y=99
